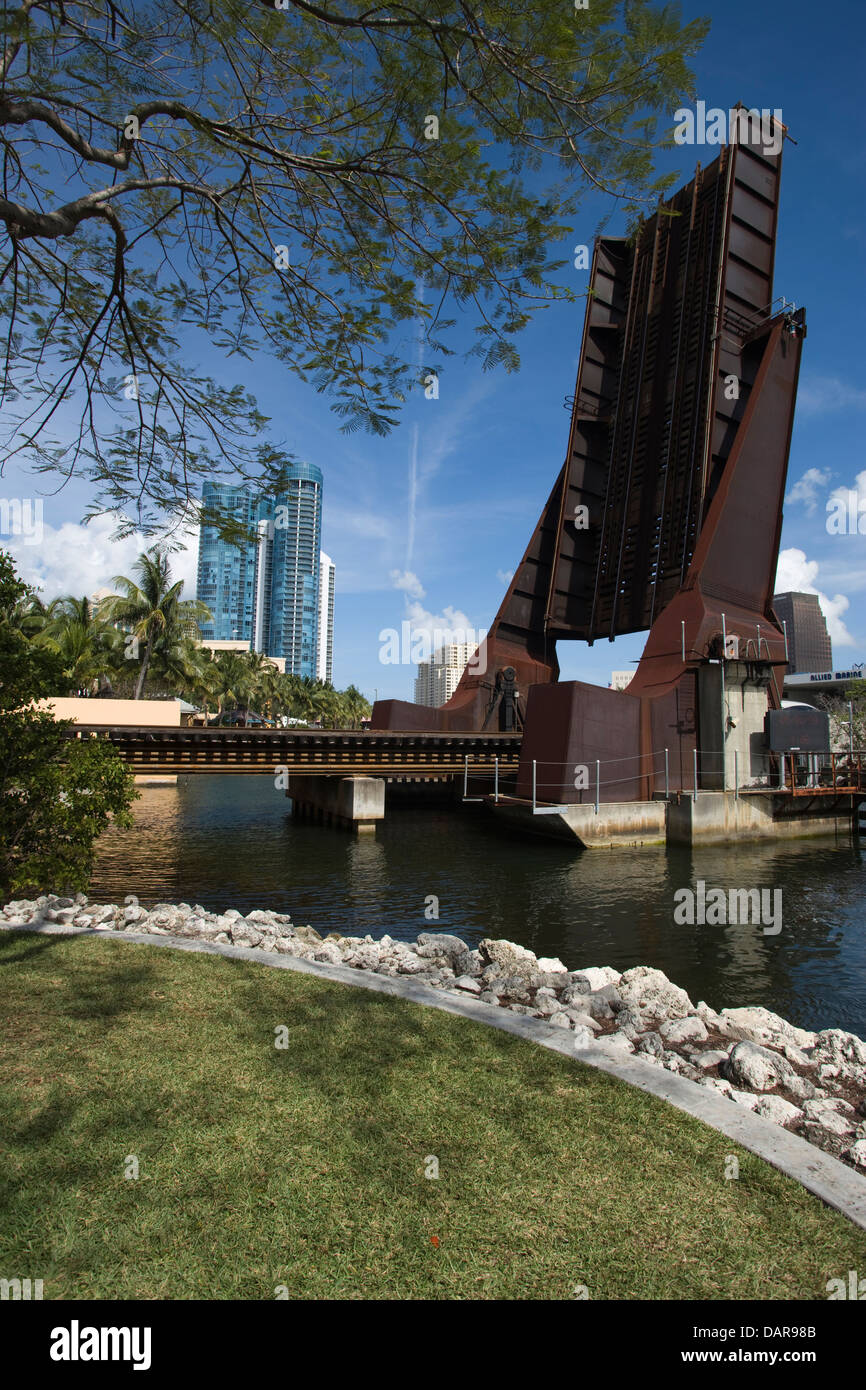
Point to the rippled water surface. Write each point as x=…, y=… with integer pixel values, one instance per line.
x=231, y=842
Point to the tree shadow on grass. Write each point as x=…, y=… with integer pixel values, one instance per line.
x=360, y=1051
x=104, y=991
x=373, y=1060
x=101, y=988
x=31, y=945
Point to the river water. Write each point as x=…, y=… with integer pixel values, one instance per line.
x=231, y=842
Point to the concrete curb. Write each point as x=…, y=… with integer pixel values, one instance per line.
x=834, y=1182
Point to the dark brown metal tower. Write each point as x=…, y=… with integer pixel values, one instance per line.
x=667, y=511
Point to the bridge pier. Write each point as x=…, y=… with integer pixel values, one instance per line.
x=355, y=803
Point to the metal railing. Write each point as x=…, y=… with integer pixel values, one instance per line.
x=824, y=774
x=659, y=768
x=796, y=774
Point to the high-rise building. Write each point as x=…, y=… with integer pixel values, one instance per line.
x=265, y=590
x=327, y=575
x=809, y=646
x=620, y=679
x=438, y=678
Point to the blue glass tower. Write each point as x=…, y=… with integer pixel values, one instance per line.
x=265, y=590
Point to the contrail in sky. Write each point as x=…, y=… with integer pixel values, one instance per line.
x=413, y=452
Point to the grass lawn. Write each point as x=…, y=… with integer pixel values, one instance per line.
x=305, y=1167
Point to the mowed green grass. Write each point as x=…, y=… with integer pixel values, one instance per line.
x=305, y=1167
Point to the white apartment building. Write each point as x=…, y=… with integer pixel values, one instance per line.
x=619, y=679
x=325, y=651
x=438, y=678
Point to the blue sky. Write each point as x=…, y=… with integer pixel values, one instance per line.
x=428, y=523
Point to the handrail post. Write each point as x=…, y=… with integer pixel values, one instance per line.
x=695, y=774
x=465, y=776
x=597, y=782
x=533, y=786
x=496, y=779
x=667, y=776
x=725, y=705
x=736, y=775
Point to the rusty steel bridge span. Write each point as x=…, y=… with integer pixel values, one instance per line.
x=161, y=751
x=341, y=776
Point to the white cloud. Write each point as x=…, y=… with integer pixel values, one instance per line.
x=805, y=490
x=797, y=574
x=76, y=559
x=505, y=576
x=436, y=630
x=449, y=620
x=408, y=582
x=840, y=494
x=824, y=395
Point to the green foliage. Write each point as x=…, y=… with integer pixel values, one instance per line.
x=304, y=128
x=57, y=794
x=144, y=643
x=26, y=670
x=88, y=646
x=151, y=610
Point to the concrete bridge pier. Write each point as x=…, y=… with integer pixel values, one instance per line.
x=355, y=803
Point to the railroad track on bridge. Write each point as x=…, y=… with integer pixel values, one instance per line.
x=308, y=752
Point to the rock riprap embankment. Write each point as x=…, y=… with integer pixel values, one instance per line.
x=811, y=1083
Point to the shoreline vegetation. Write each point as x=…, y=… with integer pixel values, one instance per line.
x=811, y=1083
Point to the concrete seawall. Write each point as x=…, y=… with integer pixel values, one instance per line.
x=711, y=818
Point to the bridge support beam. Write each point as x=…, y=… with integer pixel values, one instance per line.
x=356, y=803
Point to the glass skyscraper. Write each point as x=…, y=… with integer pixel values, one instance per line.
x=265, y=591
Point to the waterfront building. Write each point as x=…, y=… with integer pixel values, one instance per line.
x=279, y=662
x=325, y=660
x=438, y=678
x=264, y=589
x=809, y=646
x=620, y=679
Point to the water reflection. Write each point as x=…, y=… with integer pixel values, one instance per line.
x=231, y=842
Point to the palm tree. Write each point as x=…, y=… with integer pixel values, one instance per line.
x=30, y=615
x=325, y=702
x=87, y=644
x=237, y=678
x=271, y=690
x=180, y=665
x=296, y=696
x=354, y=706
x=152, y=609
x=205, y=685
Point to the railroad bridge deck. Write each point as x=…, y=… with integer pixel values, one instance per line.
x=308, y=752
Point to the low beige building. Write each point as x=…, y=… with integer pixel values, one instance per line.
x=108, y=713
x=163, y=714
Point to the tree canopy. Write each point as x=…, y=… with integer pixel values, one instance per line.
x=316, y=179
x=57, y=794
